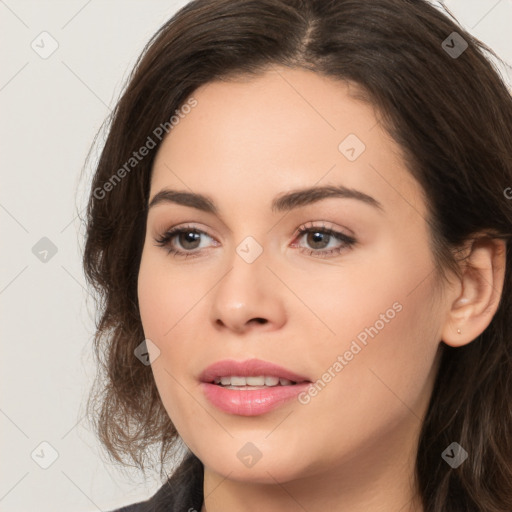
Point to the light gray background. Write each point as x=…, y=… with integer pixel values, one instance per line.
x=51, y=109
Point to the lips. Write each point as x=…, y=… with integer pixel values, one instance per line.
x=249, y=400
x=249, y=368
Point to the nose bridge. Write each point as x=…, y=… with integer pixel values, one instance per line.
x=250, y=250
x=247, y=291
x=244, y=281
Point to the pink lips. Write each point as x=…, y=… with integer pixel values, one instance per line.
x=246, y=369
x=249, y=402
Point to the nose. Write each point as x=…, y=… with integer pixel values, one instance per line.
x=248, y=297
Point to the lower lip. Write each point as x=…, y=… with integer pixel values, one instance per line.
x=251, y=402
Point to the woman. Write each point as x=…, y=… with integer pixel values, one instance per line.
x=298, y=227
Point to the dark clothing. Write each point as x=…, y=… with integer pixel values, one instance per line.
x=183, y=492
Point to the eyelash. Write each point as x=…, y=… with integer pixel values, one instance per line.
x=348, y=241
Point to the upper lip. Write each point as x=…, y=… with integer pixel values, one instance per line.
x=248, y=368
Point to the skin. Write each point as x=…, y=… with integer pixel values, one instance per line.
x=353, y=446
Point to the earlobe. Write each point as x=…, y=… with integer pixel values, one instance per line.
x=480, y=290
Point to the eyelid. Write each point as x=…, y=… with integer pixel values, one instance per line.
x=347, y=241
x=176, y=230
x=323, y=225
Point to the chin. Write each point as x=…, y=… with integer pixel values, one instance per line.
x=267, y=470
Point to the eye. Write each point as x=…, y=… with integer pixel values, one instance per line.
x=324, y=241
x=189, y=238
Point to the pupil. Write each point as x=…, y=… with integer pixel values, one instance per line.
x=188, y=238
x=316, y=238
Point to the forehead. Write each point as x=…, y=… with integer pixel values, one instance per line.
x=283, y=129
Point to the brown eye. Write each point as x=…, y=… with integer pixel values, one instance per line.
x=185, y=241
x=189, y=239
x=318, y=241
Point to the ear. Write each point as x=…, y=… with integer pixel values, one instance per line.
x=478, y=291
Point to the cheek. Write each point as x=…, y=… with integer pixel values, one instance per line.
x=166, y=297
x=167, y=302
x=386, y=323
x=382, y=391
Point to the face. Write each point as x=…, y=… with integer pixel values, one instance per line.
x=336, y=287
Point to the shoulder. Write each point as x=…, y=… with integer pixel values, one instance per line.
x=141, y=506
x=182, y=492
x=136, y=507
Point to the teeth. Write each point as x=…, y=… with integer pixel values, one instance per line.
x=260, y=380
x=252, y=381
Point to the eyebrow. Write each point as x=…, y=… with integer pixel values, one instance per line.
x=282, y=203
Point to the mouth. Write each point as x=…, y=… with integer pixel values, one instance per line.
x=250, y=374
x=252, y=382
x=250, y=388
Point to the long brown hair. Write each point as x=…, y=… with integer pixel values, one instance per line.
x=451, y=115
